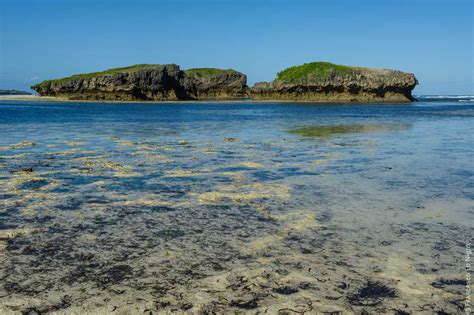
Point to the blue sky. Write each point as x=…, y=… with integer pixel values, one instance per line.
x=45, y=39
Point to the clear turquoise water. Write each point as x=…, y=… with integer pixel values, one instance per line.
x=230, y=207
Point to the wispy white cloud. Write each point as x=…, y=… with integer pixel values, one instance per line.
x=34, y=78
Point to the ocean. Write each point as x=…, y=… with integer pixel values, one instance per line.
x=236, y=206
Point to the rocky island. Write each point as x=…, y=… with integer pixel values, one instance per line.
x=313, y=82
x=13, y=92
x=145, y=82
x=328, y=82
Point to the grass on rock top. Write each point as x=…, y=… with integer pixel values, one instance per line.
x=313, y=70
x=101, y=73
x=198, y=72
x=207, y=72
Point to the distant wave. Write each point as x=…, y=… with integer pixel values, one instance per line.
x=441, y=98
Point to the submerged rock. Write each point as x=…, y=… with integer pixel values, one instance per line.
x=25, y=170
x=327, y=82
x=245, y=303
x=285, y=290
x=22, y=144
x=147, y=82
x=372, y=294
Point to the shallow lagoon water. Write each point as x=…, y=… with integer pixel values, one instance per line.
x=235, y=207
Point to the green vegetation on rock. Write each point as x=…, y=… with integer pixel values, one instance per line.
x=313, y=70
x=152, y=82
x=206, y=72
x=101, y=73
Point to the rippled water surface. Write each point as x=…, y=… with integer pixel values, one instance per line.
x=235, y=207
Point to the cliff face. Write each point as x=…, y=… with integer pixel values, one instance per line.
x=157, y=82
x=148, y=83
x=208, y=83
x=315, y=82
x=325, y=82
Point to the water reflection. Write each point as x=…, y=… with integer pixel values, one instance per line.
x=323, y=131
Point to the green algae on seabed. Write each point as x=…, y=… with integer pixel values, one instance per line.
x=324, y=131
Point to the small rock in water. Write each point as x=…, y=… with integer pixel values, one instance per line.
x=342, y=285
x=23, y=144
x=285, y=290
x=183, y=142
x=304, y=285
x=441, y=283
x=372, y=294
x=31, y=311
x=186, y=306
x=25, y=170
x=231, y=140
x=245, y=303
